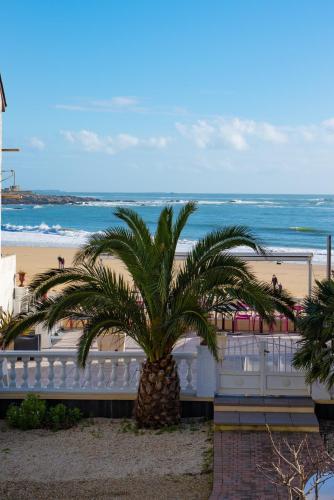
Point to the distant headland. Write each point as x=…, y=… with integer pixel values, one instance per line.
x=14, y=196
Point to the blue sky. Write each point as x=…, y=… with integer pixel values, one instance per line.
x=187, y=95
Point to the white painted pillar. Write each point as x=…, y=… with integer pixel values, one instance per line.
x=206, y=372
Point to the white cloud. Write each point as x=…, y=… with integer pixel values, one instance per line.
x=93, y=142
x=329, y=124
x=71, y=107
x=37, y=143
x=124, y=101
x=231, y=132
x=115, y=104
x=122, y=104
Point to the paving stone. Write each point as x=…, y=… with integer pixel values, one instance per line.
x=301, y=401
x=304, y=419
x=278, y=419
x=277, y=401
x=227, y=400
x=228, y=417
x=252, y=401
x=252, y=418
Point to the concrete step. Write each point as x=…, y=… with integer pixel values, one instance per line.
x=267, y=404
x=252, y=413
x=256, y=421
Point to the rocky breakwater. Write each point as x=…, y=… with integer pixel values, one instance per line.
x=30, y=198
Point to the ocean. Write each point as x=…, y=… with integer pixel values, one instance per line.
x=281, y=222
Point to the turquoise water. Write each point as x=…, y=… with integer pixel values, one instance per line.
x=280, y=221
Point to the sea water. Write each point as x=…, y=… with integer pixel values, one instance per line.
x=281, y=222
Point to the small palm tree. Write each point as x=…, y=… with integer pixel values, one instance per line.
x=315, y=354
x=171, y=302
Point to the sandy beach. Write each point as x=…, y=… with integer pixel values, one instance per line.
x=35, y=260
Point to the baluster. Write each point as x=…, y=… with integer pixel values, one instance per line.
x=63, y=373
x=126, y=376
x=38, y=374
x=138, y=372
x=100, y=375
x=189, y=376
x=113, y=375
x=285, y=358
x=76, y=377
x=12, y=374
x=2, y=374
x=25, y=373
x=180, y=370
x=51, y=374
x=88, y=377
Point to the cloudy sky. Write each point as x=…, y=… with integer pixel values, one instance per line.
x=182, y=96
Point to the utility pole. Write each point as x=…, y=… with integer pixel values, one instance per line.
x=329, y=256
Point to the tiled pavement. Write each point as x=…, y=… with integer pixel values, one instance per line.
x=238, y=454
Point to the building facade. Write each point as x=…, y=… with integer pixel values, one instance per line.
x=7, y=263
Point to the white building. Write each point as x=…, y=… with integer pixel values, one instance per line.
x=7, y=263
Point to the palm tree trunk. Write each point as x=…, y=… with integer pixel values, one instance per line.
x=158, y=399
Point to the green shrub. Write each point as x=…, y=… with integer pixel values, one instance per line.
x=29, y=415
x=33, y=414
x=61, y=417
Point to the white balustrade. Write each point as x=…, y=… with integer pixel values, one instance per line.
x=105, y=372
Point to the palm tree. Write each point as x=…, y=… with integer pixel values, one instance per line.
x=172, y=302
x=315, y=354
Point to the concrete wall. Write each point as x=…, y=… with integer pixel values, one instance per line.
x=7, y=281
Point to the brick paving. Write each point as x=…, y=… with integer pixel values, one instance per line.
x=236, y=457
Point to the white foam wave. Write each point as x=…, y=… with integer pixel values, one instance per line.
x=42, y=235
x=12, y=208
x=165, y=201
x=37, y=206
x=252, y=202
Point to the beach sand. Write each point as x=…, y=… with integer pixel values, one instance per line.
x=294, y=277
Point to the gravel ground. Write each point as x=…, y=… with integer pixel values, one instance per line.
x=104, y=459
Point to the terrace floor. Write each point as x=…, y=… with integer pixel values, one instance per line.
x=69, y=340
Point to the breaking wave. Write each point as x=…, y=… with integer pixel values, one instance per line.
x=56, y=236
x=165, y=201
x=42, y=235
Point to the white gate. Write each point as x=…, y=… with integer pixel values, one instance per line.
x=254, y=365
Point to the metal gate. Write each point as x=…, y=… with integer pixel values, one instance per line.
x=254, y=365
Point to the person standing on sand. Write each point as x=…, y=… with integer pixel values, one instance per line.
x=280, y=288
x=61, y=262
x=274, y=281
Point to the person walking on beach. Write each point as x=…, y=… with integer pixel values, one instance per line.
x=61, y=262
x=280, y=288
x=274, y=281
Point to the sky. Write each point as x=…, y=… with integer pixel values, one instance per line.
x=180, y=95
